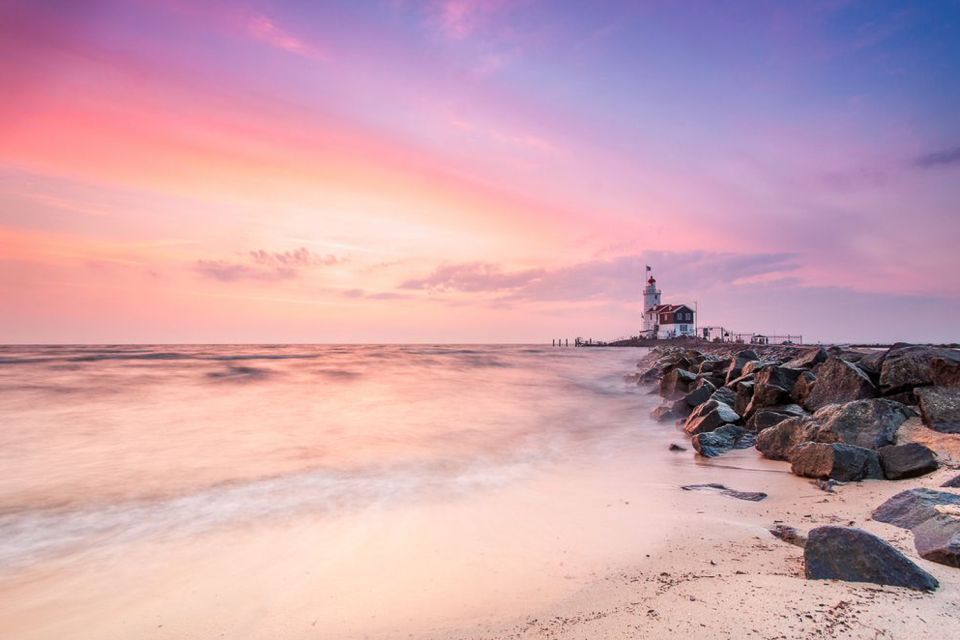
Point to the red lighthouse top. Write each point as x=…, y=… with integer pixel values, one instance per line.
x=652, y=280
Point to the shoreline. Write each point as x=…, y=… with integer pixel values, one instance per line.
x=704, y=580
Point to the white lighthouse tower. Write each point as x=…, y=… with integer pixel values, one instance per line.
x=651, y=300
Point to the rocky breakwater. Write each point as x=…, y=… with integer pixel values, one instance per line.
x=834, y=414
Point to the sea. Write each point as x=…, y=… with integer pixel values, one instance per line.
x=304, y=491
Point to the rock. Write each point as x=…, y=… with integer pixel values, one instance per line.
x=907, y=461
x=777, y=442
x=871, y=423
x=872, y=363
x=771, y=386
x=940, y=408
x=748, y=354
x=665, y=412
x=770, y=416
x=723, y=439
x=676, y=383
x=945, y=371
x=952, y=482
x=676, y=447
x=907, y=367
x=708, y=416
x=744, y=391
x=725, y=395
x=803, y=387
x=700, y=393
x=827, y=485
x=835, y=461
x=808, y=359
x=788, y=534
x=735, y=369
x=752, y=496
x=909, y=508
x=839, y=381
x=853, y=555
x=937, y=539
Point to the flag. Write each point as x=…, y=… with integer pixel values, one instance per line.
x=648, y=267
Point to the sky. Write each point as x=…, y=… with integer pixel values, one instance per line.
x=486, y=171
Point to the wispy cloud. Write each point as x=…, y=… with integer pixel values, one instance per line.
x=619, y=278
x=939, y=158
x=264, y=265
x=473, y=277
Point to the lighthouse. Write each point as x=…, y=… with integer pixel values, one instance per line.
x=665, y=321
x=651, y=300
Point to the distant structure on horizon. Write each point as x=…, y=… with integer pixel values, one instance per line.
x=665, y=320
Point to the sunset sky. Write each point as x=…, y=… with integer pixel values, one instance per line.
x=455, y=171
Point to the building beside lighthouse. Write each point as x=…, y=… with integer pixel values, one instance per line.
x=665, y=321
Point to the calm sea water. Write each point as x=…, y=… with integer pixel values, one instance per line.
x=102, y=445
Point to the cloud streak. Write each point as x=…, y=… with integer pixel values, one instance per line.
x=265, y=266
x=619, y=278
x=944, y=157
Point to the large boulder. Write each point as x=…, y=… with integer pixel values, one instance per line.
x=725, y=395
x=770, y=416
x=777, y=442
x=839, y=381
x=945, y=371
x=909, y=508
x=700, y=393
x=940, y=408
x=907, y=461
x=744, y=391
x=771, y=386
x=803, y=387
x=872, y=363
x=708, y=416
x=871, y=423
x=853, y=555
x=735, y=368
x=836, y=461
x=676, y=383
x=938, y=539
x=907, y=367
x=808, y=359
x=723, y=439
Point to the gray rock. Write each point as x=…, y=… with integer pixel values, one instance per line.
x=735, y=369
x=676, y=447
x=676, y=383
x=953, y=482
x=788, y=534
x=700, y=393
x=751, y=496
x=664, y=413
x=907, y=367
x=945, y=371
x=872, y=363
x=839, y=381
x=770, y=416
x=869, y=423
x=725, y=395
x=778, y=441
x=723, y=439
x=836, y=461
x=803, y=387
x=808, y=359
x=940, y=408
x=708, y=416
x=853, y=555
x=907, y=461
x=744, y=390
x=909, y=508
x=937, y=539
